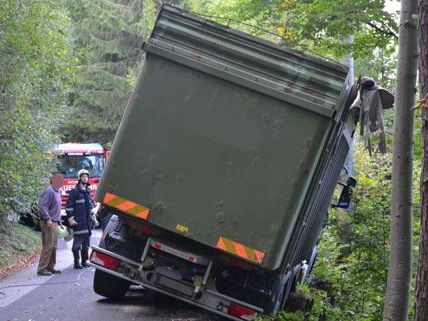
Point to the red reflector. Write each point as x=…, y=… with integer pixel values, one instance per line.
x=157, y=246
x=102, y=259
x=242, y=312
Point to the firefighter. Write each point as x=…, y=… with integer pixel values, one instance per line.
x=80, y=218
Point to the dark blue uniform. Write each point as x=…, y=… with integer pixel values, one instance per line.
x=78, y=207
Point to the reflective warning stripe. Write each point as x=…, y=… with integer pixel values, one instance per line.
x=126, y=206
x=241, y=250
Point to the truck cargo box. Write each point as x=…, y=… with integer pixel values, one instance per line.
x=223, y=136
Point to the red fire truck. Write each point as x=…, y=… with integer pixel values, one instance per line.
x=72, y=158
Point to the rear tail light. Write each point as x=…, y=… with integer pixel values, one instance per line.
x=242, y=312
x=104, y=260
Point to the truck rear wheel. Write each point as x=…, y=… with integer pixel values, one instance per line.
x=110, y=286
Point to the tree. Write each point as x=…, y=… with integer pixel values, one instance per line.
x=324, y=23
x=316, y=25
x=108, y=39
x=399, y=273
x=35, y=66
x=421, y=293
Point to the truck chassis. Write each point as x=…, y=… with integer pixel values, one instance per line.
x=178, y=273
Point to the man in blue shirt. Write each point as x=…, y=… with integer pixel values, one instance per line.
x=50, y=217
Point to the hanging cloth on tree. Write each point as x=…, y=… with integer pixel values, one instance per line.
x=370, y=103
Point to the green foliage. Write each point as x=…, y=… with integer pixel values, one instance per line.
x=35, y=64
x=353, y=260
x=327, y=23
x=316, y=25
x=381, y=66
x=108, y=38
x=286, y=316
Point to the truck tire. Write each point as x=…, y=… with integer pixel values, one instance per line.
x=110, y=286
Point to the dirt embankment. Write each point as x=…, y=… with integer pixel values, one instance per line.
x=19, y=247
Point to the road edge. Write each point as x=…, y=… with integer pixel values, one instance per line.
x=20, y=264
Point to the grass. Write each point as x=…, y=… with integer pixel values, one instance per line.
x=16, y=242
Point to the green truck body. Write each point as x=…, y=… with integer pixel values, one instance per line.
x=230, y=143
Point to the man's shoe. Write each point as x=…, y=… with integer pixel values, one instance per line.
x=53, y=271
x=44, y=273
x=84, y=264
x=77, y=266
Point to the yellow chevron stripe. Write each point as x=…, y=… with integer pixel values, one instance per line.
x=240, y=250
x=126, y=206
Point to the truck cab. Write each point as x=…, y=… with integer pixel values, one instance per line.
x=73, y=157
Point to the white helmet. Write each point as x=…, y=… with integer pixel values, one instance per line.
x=82, y=172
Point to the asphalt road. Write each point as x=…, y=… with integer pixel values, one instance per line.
x=25, y=296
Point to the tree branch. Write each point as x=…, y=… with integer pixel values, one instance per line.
x=387, y=32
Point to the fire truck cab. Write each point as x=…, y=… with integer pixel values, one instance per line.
x=72, y=157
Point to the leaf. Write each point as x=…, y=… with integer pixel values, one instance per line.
x=422, y=103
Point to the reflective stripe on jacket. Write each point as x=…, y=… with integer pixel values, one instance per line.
x=79, y=205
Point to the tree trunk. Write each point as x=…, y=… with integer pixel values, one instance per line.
x=397, y=292
x=421, y=292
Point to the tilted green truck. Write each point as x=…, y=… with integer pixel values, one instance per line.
x=223, y=169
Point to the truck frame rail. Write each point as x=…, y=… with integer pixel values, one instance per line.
x=197, y=295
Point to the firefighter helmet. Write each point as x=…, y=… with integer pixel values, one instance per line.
x=82, y=172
